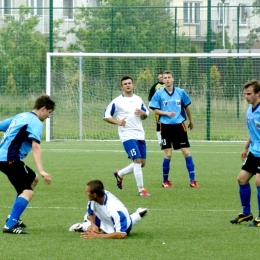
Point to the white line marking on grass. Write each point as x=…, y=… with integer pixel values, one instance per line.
x=122, y=151
x=81, y=208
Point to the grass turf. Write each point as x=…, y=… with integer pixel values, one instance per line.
x=183, y=223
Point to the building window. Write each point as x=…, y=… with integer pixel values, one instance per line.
x=222, y=13
x=68, y=9
x=36, y=6
x=6, y=7
x=191, y=12
x=242, y=14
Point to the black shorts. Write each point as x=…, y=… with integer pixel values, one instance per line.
x=174, y=136
x=20, y=175
x=251, y=164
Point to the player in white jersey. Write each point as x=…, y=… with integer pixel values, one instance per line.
x=106, y=216
x=251, y=160
x=129, y=110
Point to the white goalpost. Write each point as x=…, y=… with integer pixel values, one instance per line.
x=84, y=83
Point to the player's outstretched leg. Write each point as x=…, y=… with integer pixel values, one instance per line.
x=119, y=180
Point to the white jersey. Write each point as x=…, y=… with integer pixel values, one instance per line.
x=113, y=215
x=124, y=107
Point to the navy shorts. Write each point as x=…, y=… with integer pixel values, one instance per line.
x=135, y=148
x=20, y=175
x=174, y=136
x=251, y=164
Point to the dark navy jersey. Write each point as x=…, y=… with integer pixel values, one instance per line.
x=20, y=131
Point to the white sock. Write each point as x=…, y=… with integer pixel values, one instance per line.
x=159, y=137
x=138, y=176
x=128, y=169
x=135, y=217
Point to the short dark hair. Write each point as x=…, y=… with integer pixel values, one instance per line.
x=125, y=78
x=253, y=83
x=44, y=101
x=96, y=186
x=168, y=72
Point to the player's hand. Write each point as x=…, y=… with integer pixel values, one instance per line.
x=89, y=234
x=244, y=154
x=190, y=125
x=139, y=112
x=122, y=122
x=171, y=114
x=46, y=177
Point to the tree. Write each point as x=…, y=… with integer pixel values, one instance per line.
x=230, y=79
x=247, y=70
x=193, y=76
x=219, y=40
x=215, y=81
x=11, y=86
x=176, y=67
x=21, y=49
x=144, y=81
x=133, y=26
x=254, y=34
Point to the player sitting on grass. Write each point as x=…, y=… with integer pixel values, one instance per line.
x=106, y=216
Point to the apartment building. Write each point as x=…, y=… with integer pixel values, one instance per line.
x=190, y=16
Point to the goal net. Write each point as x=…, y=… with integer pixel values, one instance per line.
x=83, y=84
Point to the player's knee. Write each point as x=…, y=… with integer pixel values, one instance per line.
x=186, y=153
x=257, y=181
x=35, y=181
x=27, y=194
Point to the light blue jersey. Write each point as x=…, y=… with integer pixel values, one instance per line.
x=175, y=102
x=19, y=130
x=253, y=125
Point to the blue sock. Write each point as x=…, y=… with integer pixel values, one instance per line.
x=19, y=206
x=245, y=195
x=258, y=200
x=190, y=167
x=166, y=169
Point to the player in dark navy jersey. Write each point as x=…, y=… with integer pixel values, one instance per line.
x=23, y=133
x=172, y=104
x=156, y=86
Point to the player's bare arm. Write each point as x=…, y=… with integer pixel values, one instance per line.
x=93, y=234
x=164, y=113
x=37, y=155
x=188, y=112
x=245, y=149
x=114, y=121
x=141, y=113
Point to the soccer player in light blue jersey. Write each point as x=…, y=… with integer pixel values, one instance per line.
x=127, y=111
x=172, y=105
x=106, y=216
x=23, y=133
x=250, y=155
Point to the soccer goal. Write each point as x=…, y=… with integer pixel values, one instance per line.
x=82, y=84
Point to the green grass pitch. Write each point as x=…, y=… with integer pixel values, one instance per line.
x=183, y=223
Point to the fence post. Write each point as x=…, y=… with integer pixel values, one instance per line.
x=208, y=105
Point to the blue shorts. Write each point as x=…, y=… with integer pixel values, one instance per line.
x=135, y=149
